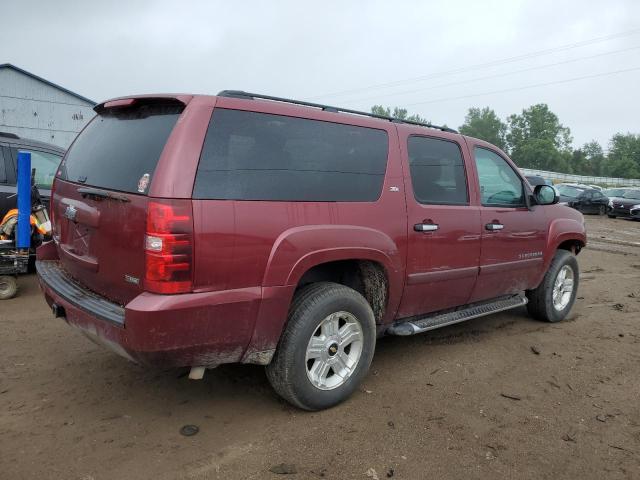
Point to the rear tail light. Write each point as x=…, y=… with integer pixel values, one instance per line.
x=169, y=247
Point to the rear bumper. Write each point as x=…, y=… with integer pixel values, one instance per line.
x=204, y=329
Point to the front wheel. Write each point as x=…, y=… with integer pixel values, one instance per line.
x=326, y=348
x=602, y=210
x=553, y=298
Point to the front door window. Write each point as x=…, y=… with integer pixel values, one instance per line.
x=500, y=186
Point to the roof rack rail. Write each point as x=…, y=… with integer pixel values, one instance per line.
x=327, y=108
x=9, y=135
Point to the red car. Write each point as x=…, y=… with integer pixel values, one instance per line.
x=201, y=230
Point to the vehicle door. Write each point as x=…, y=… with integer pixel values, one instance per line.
x=600, y=202
x=586, y=204
x=444, y=225
x=7, y=182
x=513, y=233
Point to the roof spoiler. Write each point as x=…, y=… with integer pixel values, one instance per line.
x=9, y=135
x=124, y=102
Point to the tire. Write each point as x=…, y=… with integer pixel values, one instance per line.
x=316, y=312
x=602, y=210
x=8, y=287
x=541, y=299
x=611, y=216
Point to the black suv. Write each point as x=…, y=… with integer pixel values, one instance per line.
x=45, y=158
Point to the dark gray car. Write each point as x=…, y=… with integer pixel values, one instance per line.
x=45, y=158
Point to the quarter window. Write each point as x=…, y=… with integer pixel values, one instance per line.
x=259, y=156
x=437, y=171
x=499, y=185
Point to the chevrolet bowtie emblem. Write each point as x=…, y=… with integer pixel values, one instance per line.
x=71, y=213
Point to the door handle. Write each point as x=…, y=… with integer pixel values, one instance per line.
x=425, y=227
x=494, y=226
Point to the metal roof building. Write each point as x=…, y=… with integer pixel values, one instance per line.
x=32, y=107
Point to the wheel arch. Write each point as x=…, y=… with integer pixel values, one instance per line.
x=316, y=249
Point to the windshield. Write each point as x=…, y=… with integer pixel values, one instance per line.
x=613, y=192
x=569, y=191
x=632, y=194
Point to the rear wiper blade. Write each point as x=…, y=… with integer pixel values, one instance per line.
x=97, y=193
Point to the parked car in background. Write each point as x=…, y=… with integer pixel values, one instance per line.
x=628, y=205
x=535, y=180
x=614, y=195
x=45, y=158
x=202, y=230
x=616, y=192
x=583, y=198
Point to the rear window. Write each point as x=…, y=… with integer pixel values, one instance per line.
x=259, y=156
x=120, y=147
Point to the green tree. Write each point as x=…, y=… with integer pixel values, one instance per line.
x=596, y=161
x=398, y=112
x=485, y=125
x=542, y=154
x=624, y=156
x=537, y=139
x=579, y=163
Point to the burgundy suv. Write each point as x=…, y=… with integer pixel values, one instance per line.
x=201, y=230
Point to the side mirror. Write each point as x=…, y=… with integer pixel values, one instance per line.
x=545, y=195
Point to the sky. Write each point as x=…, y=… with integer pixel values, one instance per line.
x=436, y=59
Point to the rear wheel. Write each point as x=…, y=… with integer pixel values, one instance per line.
x=602, y=210
x=8, y=287
x=326, y=348
x=553, y=298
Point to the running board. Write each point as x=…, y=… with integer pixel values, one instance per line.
x=437, y=320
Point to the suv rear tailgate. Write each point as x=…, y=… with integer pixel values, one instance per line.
x=100, y=241
x=100, y=202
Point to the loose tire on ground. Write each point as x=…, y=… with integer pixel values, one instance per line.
x=308, y=338
x=8, y=287
x=541, y=300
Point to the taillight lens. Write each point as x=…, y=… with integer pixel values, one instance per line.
x=169, y=247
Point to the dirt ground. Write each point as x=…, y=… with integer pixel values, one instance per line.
x=498, y=397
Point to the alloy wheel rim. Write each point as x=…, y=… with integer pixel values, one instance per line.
x=563, y=288
x=334, y=350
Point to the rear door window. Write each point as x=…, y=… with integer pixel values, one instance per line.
x=121, y=146
x=437, y=171
x=45, y=163
x=259, y=156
